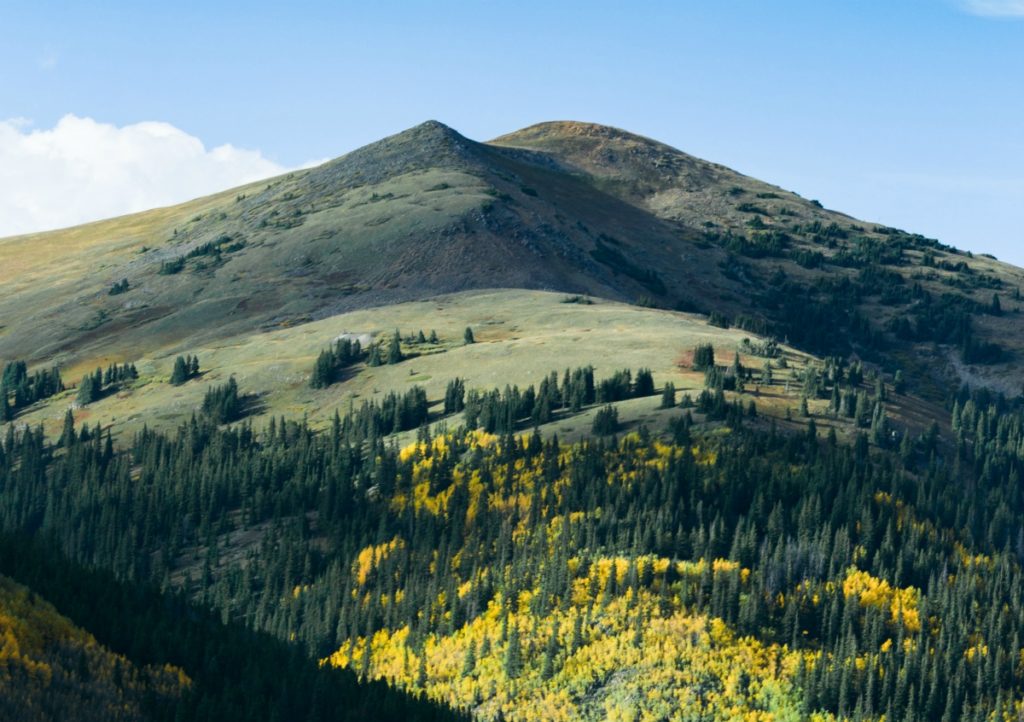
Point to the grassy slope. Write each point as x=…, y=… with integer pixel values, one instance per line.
x=428, y=212
x=521, y=337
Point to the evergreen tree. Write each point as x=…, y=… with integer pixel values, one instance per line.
x=467, y=336
x=454, y=397
x=703, y=357
x=180, y=373
x=606, y=421
x=222, y=404
x=668, y=396
x=395, y=349
x=513, y=654
x=67, y=437
x=90, y=388
x=644, y=383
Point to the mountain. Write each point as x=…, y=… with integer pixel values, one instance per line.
x=565, y=206
x=568, y=425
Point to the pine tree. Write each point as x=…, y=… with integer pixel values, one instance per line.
x=606, y=421
x=67, y=437
x=395, y=349
x=467, y=336
x=704, y=357
x=180, y=373
x=643, y=385
x=547, y=670
x=513, y=653
x=668, y=396
x=469, y=661
x=454, y=397
x=90, y=388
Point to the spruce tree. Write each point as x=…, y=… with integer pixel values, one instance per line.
x=395, y=349
x=606, y=421
x=513, y=654
x=643, y=385
x=180, y=373
x=90, y=387
x=67, y=437
x=467, y=336
x=668, y=396
x=704, y=357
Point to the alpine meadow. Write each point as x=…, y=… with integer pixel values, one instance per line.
x=566, y=425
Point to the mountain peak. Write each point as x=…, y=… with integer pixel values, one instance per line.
x=560, y=131
x=425, y=145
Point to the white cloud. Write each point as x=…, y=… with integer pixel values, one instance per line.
x=995, y=8
x=81, y=170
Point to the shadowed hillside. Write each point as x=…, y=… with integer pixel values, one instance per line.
x=558, y=206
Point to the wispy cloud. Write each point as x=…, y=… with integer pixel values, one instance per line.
x=82, y=170
x=48, y=60
x=995, y=8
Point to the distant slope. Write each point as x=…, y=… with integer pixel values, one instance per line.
x=52, y=670
x=159, y=657
x=563, y=206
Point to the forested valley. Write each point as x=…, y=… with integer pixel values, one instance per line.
x=716, y=570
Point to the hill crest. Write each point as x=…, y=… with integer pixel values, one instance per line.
x=564, y=206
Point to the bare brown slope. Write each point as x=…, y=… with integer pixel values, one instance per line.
x=564, y=206
x=414, y=215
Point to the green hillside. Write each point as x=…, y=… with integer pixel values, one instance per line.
x=569, y=207
x=568, y=425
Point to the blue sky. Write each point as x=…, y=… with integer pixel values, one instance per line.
x=908, y=112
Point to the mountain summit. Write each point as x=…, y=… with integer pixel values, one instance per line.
x=566, y=206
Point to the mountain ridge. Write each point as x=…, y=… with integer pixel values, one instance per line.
x=562, y=205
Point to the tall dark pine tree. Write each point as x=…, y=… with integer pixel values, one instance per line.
x=90, y=388
x=668, y=396
x=703, y=357
x=395, y=349
x=643, y=385
x=181, y=372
